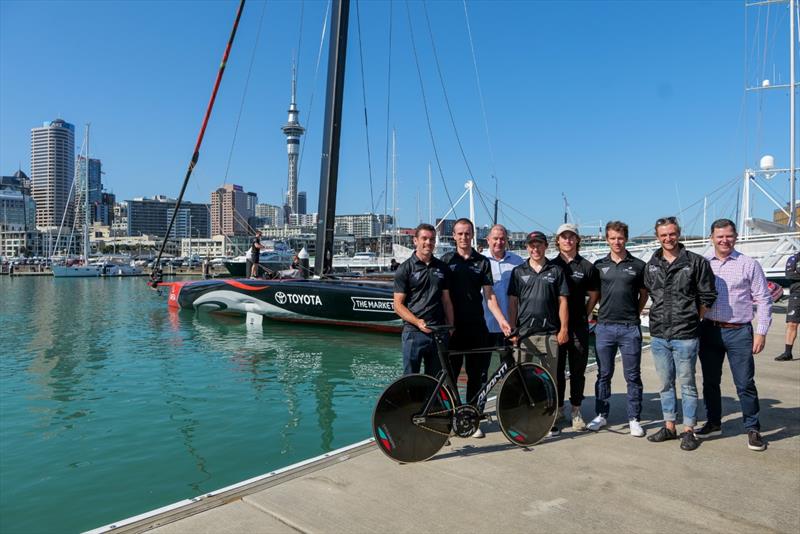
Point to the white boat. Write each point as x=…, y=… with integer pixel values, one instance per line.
x=77, y=271
x=86, y=270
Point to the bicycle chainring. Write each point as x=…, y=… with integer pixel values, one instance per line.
x=466, y=420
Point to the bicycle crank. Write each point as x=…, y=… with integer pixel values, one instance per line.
x=466, y=420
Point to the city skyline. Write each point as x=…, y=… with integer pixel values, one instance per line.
x=595, y=101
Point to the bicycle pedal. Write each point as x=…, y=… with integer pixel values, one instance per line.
x=489, y=418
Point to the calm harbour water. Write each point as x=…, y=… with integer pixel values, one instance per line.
x=112, y=405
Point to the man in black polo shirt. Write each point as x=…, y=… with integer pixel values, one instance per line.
x=622, y=299
x=583, y=281
x=537, y=303
x=471, y=273
x=421, y=298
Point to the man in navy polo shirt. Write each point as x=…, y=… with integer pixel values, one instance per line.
x=622, y=299
x=470, y=283
x=537, y=304
x=422, y=298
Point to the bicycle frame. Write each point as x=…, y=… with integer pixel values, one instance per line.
x=507, y=364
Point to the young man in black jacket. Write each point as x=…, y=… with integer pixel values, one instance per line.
x=681, y=286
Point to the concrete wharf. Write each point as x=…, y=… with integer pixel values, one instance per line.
x=578, y=482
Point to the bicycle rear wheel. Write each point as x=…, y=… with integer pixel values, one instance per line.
x=522, y=423
x=397, y=435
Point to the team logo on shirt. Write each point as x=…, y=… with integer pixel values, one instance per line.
x=653, y=268
x=549, y=277
x=605, y=269
x=526, y=277
x=577, y=275
x=630, y=271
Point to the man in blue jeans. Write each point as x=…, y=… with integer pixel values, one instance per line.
x=422, y=298
x=727, y=329
x=681, y=285
x=622, y=297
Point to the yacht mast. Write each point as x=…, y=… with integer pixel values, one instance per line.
x=394, y=186
x=86, y=217
x=329, y=173
x=792, y=192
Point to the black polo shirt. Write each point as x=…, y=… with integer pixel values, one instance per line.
x=537, y=297
x=467, y=278
x=581, y=278
x=619, y=289
x=422, y=285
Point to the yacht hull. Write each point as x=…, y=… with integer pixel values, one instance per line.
x=90, y=271
x=333, y=302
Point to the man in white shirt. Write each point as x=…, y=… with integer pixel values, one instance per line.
x=502, y=262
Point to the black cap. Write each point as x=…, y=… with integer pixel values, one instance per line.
x=536, y=236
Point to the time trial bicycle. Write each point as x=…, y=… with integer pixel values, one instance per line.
x=416, y=414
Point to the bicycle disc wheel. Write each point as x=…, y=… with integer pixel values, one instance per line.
x=396, y=433
x=522, y=423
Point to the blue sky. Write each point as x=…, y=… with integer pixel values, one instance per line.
x=634, y=110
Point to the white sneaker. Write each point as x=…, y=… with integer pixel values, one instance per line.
x=479, y=434
x=636, y=428
x=597, y=423
x=578, y=424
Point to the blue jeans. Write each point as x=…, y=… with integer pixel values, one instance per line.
x=419, y=347
x=628, y=339
x=677, y=358
x=737, y=343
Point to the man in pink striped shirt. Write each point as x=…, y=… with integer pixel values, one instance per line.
x=727, y=329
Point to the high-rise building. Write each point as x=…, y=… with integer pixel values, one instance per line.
x=95, y=188
x=17, y=207
x=363, y=225
x=302, y=201
x=151, y=216
x=52, y=172
x=231, y=210
x=293, y=131
x=119, y=224
x=270, y=215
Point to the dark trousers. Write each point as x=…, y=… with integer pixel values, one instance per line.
x=477, y=363
x=419, y=347
x=576, y=352
x=737, y=343
x=628, y=339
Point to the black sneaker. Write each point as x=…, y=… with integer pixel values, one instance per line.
x=708, y=430
x=555, y=431
x=664, y=434
x=784, y=357
x=755, y=442
x=689, y=441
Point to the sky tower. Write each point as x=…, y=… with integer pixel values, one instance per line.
x=292, y=130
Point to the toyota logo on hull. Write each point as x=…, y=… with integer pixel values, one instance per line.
x=292, y=298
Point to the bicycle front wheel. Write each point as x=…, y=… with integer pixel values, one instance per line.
x=397, y=434
x=526, y=423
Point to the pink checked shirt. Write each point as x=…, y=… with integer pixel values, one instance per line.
x=740, y=282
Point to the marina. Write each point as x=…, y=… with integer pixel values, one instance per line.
x=241, y=403
x=114, y=400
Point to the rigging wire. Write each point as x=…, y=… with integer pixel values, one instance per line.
x=244, y=93
x=299, y=36
x=366, y=119
x=388, y=109
x=534, y=221
x=156, y=274
x=314, y=86
x=444, y=90
x=480, y=91
x=427, y=114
